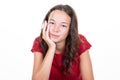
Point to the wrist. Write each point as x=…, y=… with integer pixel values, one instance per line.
x=51, y=49
x=52, y=46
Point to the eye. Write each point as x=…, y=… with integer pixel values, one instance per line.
x=64, y=26
x=51, y=23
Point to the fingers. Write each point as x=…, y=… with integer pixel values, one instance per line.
x=45, y=35
x=44, y=28
x=45, y=31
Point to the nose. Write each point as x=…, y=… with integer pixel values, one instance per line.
x=56, y=28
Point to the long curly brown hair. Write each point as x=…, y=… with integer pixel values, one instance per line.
x=72, y=40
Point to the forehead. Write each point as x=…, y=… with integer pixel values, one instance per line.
x=59, y=15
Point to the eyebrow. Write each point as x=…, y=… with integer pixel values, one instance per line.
x=61, y=22
x=52, y=20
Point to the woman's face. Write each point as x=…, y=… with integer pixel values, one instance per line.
x=59, y=23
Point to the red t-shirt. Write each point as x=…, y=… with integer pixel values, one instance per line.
x=56, y=69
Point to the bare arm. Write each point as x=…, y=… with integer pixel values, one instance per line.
x=86, y=66
x=42, y=67
x=38, y=58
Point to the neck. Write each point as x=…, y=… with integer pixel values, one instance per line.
x=60, y=47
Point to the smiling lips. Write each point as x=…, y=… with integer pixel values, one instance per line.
x=54, y=36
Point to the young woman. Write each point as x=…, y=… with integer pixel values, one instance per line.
x=60, y=52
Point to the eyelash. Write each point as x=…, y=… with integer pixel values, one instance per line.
x=51, y=22
x=54, y=23
x=64, y=25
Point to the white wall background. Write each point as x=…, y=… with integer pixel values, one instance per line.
x=20, y=21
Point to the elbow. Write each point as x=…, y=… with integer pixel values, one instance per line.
x=88, y=78
x=36, y=77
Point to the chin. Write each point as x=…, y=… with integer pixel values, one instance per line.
x=55, y=40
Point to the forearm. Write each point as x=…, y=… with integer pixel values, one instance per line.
x=44, y=70
x=86, y=66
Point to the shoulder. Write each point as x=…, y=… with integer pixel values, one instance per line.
x=37, y=39
x=82, y=37
x=84, y=44
x=36, y=45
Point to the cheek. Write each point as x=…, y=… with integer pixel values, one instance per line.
x=50, y=28
x=65, y=32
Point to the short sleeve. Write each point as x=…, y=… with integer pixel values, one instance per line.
x=36, y=46
x=84, y=44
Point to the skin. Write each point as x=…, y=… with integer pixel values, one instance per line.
x=55, y=33
x=59, y=23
